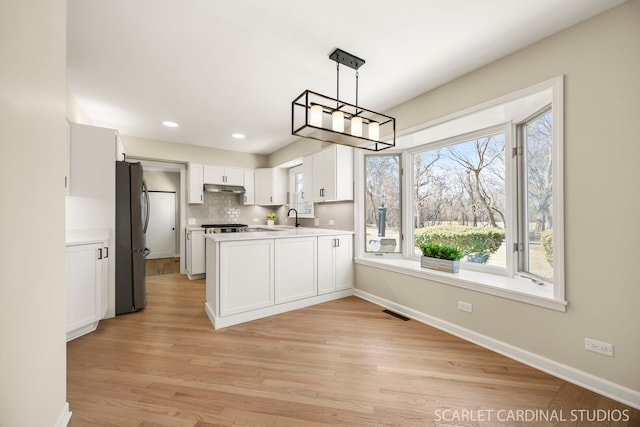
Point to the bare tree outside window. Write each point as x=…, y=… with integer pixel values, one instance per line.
x=535, y=174
x=459, y=188
x=382, y=203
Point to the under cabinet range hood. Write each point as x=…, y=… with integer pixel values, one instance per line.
x=217, y=188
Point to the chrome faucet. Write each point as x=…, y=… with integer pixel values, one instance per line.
x=297, y=223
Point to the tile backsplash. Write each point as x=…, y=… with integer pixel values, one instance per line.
x=221, y=208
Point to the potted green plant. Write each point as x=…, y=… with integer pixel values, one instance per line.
x=440, y=257
x=271, y=218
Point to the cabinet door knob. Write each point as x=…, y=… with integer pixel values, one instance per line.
x=99, y=253
x=106, y=252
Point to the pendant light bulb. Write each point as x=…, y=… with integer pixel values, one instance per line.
x=374, y=131
x=338, y=121
x=356, y=126
x=315, y=118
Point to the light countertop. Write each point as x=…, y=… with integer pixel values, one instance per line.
x=86, y=236
x=278, y=232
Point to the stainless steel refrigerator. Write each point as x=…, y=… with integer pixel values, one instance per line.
x=132, y=219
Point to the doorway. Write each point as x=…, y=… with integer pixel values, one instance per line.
x=161, y=232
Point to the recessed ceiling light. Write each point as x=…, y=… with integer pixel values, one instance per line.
x=238, y=135
x=170, y=124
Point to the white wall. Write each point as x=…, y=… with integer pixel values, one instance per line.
x=600, y=59
x=32, y=253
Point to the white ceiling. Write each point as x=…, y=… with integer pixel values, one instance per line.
x=221, y=66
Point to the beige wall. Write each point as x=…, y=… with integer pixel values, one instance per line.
x=295, y=150
x=173, y=152
x=32, y=253
x=600, y=60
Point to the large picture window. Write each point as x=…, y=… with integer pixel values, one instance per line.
x=383, y=199
x=487, y=180
x=459, y=197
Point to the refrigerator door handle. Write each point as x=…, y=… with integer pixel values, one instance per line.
x=146, y=198
x=146, y=252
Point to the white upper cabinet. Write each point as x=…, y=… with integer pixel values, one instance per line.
x=270, y=186
x=194, y=183
x=328, y=175
x=120, y=150
x=92, y=153
x=248, y=198
x=223, y=176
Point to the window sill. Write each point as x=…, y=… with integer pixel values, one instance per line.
x=513, y=288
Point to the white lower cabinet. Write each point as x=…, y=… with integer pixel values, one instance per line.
x=195, y=256
x=87, y=278
x=295, y=269
x=252, y=279
x=246, y=275
x=335, y=263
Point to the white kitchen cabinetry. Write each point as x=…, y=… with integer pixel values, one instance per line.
x=246, y=276
x=87, y=278
x=223, y=176
x=295, y=269
x=328, y=175
x=335, y=263
x=93, y=151
x=121, y=153
x=195, y=257
x=260, y=274
x=270, y=186
x=249, y=198
x=67, y=161
x=91, y=201
x=195, y=183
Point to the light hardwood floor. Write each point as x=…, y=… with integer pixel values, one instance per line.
x=340, y=363
x=158, y=266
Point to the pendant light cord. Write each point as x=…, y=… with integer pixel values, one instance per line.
x=357, y=74
x=337, y=85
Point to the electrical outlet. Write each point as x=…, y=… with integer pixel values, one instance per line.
x=192, y=221
x=598, y=347
x=465, y=306
x=256, y=220
x=332, y=222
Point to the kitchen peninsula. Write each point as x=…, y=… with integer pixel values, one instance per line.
x=256, y=274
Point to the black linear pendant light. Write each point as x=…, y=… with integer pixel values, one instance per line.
x=331, y=120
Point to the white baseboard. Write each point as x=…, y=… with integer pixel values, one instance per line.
x=64, y=417
x=247, y=316
x=575, y=376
